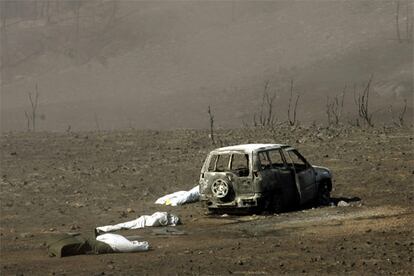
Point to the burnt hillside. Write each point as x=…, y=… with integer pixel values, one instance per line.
x=147, y=64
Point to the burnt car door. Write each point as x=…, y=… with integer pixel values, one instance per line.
x=266, y=173
x=305, y=176
x=240, y=167
x=285, y=177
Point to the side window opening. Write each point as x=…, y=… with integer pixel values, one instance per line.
x=297, y=161
x=219, y=163
x=240, y=164
x=276, y=159
x=264, y=161
x=212, y=164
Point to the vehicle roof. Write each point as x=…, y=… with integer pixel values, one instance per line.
x=247, y=148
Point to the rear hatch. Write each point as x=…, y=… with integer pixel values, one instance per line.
x=229, y=168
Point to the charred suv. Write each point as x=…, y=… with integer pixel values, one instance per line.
x=261, y=177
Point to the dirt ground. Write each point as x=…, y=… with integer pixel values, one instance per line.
x=72, y=182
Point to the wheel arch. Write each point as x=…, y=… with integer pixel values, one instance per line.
x=325, y=180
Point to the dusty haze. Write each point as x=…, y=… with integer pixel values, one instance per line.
x=159, y=64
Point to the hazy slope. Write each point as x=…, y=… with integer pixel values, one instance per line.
x=161, y=64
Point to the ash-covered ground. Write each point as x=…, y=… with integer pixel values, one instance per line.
x=72, y=182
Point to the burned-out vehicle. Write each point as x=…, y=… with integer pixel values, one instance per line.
x=261, y=177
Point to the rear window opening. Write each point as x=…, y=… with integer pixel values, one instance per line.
x=237, y=163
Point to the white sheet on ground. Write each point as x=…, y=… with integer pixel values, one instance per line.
x=181, y=197
x=121, y=244
x=156, y=219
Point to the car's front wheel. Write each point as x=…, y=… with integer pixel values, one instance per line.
x=323, y=197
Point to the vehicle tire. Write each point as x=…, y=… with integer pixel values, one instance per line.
x=222, y=190
x=323, y=198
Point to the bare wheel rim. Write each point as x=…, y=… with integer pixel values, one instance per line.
x=220, y=188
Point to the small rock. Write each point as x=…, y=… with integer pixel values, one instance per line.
x=343, y=203
x=78, y=205
x=13, y=153
x=130, y=210
x=26, y=235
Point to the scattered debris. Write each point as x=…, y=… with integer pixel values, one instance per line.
x=26, y=235
x=343, y=204
x=168, y=231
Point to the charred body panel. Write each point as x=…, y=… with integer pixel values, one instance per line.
x=261, y=176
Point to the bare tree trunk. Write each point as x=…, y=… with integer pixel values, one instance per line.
x=34, y=102
x=338, y=107
x=211, y=125
x=342, y=101
x=262, y=119
x=290, y=101
x=292, y=121
x=266, y=115
x=32, y=116
x=402, y=114
x=362, y=103
x=295, y=109
x=328, y=110
x=270, y=116
x=27, y=120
